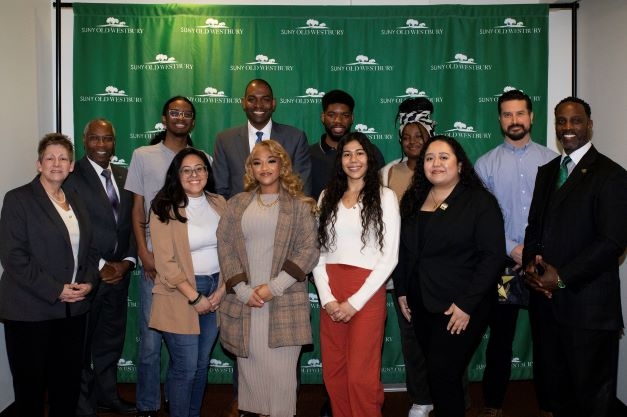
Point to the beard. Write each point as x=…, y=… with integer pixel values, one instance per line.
x=518, y=135
x=334, y=137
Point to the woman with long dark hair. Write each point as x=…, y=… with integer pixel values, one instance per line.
x=188, y=290
x=358, y=234
x=451, y=255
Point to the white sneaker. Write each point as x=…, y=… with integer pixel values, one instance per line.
x=420, y=410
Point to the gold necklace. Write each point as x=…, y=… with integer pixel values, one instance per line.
x=435, y=203
x=59, y=202
x=267, y=205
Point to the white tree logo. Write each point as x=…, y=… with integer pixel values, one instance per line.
x=111, y=90
x=313, y=297
x=364, y=128
x=510, y=23
x=413, y=92
x=216, y=363
x=313, y=24
x=212, y=92
x=313, y=92
x=262, y=59
x=114, y=22
x=462, y=59
x=213, y=23
x=460, y=126
x=313, y=363
x=118, y=161
x=414, y=24
x=124, y=363
x=363, y=60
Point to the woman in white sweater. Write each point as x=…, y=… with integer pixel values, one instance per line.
x=358, y=234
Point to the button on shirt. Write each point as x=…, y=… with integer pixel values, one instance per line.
x=510, y=174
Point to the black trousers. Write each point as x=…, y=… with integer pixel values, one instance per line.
x=106, y=328
x=415, y=363
x=502, y=322
x=578, y=367
x=46, y=356
x=448, y=355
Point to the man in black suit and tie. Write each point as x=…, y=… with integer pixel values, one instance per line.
x=576, y=233
x=233, y=145
x=101, y=187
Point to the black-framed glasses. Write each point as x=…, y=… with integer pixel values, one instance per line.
x=187, y=114
x=198, y=170
x=99, y=138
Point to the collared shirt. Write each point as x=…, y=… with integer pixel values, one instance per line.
x=575, y=156
x=252, y=133
x=510, y=174
x=103, y=181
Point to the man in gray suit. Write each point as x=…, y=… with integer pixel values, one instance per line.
x=233, y=145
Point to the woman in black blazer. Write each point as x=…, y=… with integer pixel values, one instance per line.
x=49, y=269
x=451, y=255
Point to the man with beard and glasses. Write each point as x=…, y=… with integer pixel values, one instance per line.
x=509, y=172
x=337, y=118
x=146, y=175
x=576, y=235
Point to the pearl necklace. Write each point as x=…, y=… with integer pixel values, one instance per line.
x=59, y=202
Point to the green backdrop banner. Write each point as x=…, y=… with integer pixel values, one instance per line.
x=129, y=59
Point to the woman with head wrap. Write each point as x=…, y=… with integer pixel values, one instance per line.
x=415, y=128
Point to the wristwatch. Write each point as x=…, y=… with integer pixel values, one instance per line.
x=560, y=284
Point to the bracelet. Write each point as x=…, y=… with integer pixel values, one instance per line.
x=195, y=300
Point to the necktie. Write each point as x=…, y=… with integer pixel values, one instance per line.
x=259, y=136
x=563, y=175
x=113, y=197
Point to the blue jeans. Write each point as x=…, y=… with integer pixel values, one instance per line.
x=189, y=358
x=149, y=356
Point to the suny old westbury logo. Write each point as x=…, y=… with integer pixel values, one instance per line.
x=495, y=97
x=214, y=95
x=410, y=92
x=112, y=94
x=312, y=96
x=112, y=25
x=412, y=27
x=212, y=26
x=362, y=63
x=162, y=62
x=313, y=27
x=511, y=26
x=463, y=62
x=262, y=62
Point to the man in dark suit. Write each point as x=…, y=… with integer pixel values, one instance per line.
x=233, y=145
x=101, y=187
x=577, y=231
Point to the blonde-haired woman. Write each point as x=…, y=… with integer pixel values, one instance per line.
x=266, y=247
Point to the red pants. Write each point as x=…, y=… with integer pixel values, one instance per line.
x=351, y=352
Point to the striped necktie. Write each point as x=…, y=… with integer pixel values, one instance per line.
x=111, y=194
x=563, y=175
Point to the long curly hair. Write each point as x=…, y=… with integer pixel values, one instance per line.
x=288, y=179
x=370, y=196
x=415, y=195
x=171, y=197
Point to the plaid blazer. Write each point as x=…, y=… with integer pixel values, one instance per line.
x=295, y=252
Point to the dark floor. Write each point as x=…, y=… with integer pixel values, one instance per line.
x=520, y=401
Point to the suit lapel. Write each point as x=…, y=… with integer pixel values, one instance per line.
x=438, y=222
x=281, y=235
x=577, y=176
x=47, y=206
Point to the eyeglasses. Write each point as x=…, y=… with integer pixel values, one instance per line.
x=98, y=138
x=198, y=170
x=177, y=113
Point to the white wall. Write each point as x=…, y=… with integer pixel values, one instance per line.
x=27, y=83
x=602, y=66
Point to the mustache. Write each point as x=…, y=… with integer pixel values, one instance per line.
x=517, y=125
